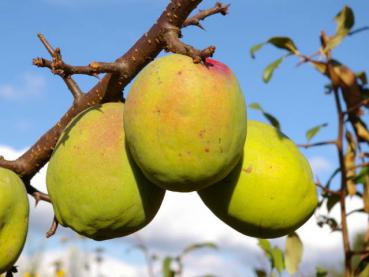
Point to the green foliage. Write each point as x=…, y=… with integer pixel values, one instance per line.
x=280, y=42
x=275, y=256
x=167, y=270
x=321, y=272
x=294, y=251
x=269, y=70
x=272, y=120
x=345, y=21
x=362, y=77
x=197, y=246
x=315, y=130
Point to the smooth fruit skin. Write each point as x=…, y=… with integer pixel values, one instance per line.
x=95, y=187
x=14, y=213
x=185, y=123
x=271, y=192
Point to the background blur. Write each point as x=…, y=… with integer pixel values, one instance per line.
x=32, y=100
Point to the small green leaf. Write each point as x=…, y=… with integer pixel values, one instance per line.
x=293, y=255
x=256, y=48
x=321, y=272
x=313, y=131
x=332, y=201
x=362, y=265
x=272, y=120
x=361, y=177
x=269, y=70
x=256, y=106
x=284, y=43
x=167, y=271
x=196, y=246
x=345, y=20
x=278, y=259
x=362, y=77
x=265, y=245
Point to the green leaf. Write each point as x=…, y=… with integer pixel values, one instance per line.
x=167, y=271
x=278, y=259
x=321, y=272
x=313, y=131
x=256, y=106
x=284, y=43
x=293, y=255
x=345, y=20
x=332, y=201
x=256, y=48
x=196, y=246
x=362, y=265
x=260, y=273
x=360, y=178
x=269, y=70
x=265, y=245
x=272, y=120
x=362, y=77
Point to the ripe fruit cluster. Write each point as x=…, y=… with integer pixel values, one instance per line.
x=183, y=128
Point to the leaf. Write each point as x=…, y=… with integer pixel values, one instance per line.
x=167, y=271
x=332, y=201
x=272, y=120
x=345, y=20
x=362, y=265
x=264, y=244
x=349, y=160
x=293, y=253
x=321, y=272
x=313, y=131
x=256, y=48
x=269, y=70
x=360, y=178
x=196, y=246
x=260, y=273
x=278, y=259
x=284, y=43
x=362, y=77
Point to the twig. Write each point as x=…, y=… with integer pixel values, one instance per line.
x=352, y=109
x=327, y=190
x=333, y=142
x=53, y=228
x=202, y=14
x=174, y=44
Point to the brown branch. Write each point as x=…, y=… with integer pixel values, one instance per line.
x=107, y=89
x=174, y=44
x=53, y=228
x=333, y=142
x=202, y=14
x=362, y=103
x=327, y=190
x=57, y=59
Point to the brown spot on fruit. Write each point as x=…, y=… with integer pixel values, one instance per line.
x=247, y=170
x=207, y=150
x=202, y=133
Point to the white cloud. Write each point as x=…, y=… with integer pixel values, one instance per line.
x=320, y=165
x=183, y=219
x=30, y=85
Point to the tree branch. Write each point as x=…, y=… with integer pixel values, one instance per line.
x=109, y=88
x=202, y=14
x=322, y=143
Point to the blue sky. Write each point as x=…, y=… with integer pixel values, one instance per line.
x=32, y=99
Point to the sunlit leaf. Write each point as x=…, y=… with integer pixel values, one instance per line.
x=265, y=245
x=361, y=177
x=167, y=270
x=278, y=259
x=256, y=48
x=294, y=251
x=284, y=43
x=313, y=131
x=269, y=70
x=345, y=20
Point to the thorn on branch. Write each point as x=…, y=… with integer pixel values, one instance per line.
x=175, y=45
x=36, y=194
x=53, y=228
x=202, y=14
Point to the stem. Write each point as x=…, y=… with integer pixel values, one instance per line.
x=345, y=235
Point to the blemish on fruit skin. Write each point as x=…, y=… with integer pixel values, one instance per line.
x=202, y=133
x=247, y=170
x=207, y=150
x=179, y=73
